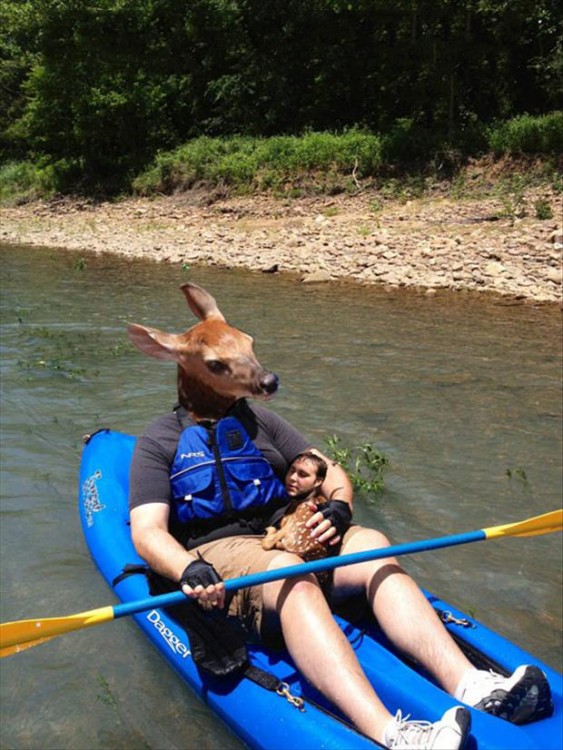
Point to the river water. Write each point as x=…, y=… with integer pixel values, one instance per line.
x=461, y=393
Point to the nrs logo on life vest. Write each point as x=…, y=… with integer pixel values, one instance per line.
x=171, y=639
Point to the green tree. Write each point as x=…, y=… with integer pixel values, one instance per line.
x=96, y=89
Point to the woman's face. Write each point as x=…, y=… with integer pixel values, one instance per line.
x=301, y=478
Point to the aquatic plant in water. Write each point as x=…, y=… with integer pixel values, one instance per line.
x=364, y=464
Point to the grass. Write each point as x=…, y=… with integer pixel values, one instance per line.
x=54, y=365
x=58, y=352
x=323, y=161
x=543, y=209
x=329, y=163
x=404, y=163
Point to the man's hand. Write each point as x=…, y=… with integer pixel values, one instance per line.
x=330, y=522
x=201, y=581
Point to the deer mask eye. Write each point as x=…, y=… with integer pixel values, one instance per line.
x=216, y=367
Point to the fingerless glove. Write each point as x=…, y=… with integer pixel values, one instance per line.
x=339, y=514
x=199, y=573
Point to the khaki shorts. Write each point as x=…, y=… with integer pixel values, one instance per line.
x=237, y=556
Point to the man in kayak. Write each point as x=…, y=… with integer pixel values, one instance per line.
x=205, y=482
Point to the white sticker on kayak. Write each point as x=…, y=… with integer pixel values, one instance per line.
x=171, y=639
x=92, y=502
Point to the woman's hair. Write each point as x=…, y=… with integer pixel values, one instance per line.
x=320, y=464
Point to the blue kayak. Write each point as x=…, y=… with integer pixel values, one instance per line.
x=286, y=712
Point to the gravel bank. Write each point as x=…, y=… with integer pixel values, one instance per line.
x=431, y=243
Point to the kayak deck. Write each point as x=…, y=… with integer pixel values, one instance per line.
x=261, y=718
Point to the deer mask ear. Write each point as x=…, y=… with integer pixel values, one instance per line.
x=154, y=342
x=201, y=303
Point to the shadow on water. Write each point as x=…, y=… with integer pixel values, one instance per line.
x=461, y=393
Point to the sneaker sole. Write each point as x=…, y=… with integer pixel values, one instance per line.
x=529, y=700
x=463, y=720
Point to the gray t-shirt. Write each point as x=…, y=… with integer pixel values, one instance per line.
x=277, y=440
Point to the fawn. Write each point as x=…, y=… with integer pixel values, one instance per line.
x=293, y=534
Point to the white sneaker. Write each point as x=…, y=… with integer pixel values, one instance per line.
x=523, y=697
x=449, y=733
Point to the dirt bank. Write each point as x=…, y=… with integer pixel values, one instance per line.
x=486, y=245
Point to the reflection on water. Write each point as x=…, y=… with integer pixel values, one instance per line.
x=462, y=394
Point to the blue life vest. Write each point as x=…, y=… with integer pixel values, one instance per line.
x=219, y=472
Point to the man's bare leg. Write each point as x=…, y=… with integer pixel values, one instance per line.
x=402, y=610
x=321, y=651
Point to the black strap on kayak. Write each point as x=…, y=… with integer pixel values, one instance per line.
x=217, y=647
x=129, y=570
x=270, y=682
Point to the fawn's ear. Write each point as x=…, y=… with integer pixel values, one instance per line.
x=201, y=303
x=154, y=342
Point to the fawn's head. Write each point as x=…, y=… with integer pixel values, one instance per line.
x=216, y=362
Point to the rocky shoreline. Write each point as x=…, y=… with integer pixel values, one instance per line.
x=430, y=243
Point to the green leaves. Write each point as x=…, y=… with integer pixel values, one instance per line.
x=364, y=464
x=100, y=88
x=256, y=163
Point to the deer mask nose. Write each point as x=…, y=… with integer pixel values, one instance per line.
x=269, y=382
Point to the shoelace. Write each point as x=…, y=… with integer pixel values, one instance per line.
x=484, y=681
x=495, y=679
x=409, y=731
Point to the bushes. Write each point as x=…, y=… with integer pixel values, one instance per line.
x=319, y=162
x=529, y=135
x=24, y=181
x=262, y=162
x=328, y=162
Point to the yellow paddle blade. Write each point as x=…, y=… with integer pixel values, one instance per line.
x=544, y=524
x=10, y=650
x=22, y=634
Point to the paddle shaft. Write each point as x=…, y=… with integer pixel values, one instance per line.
x=16, y=636
x=544, y=524
x=315, y=566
